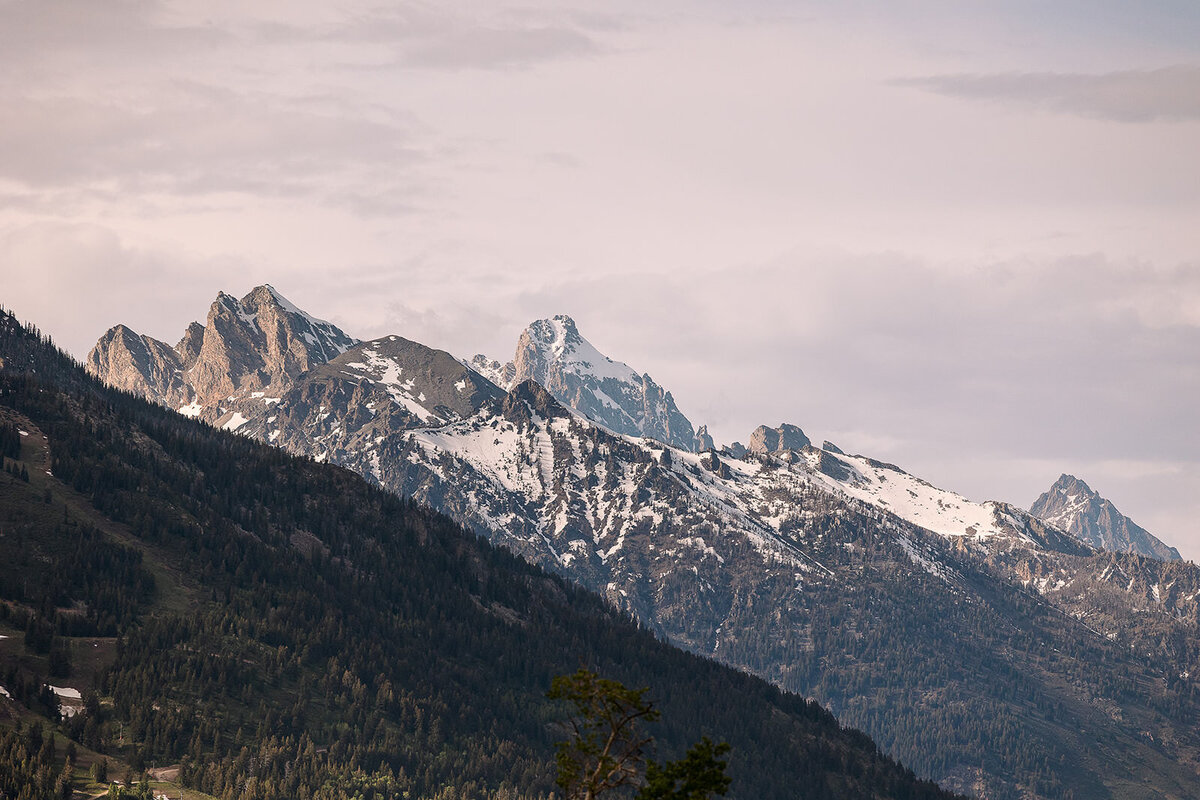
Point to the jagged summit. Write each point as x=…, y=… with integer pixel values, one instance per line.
x=141, y=365
x=247, y=350
x=1073, y=506
x=557, y=340
x=553, y=353
x=773, y=440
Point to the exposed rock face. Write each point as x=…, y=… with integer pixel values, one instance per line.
x=141, y=365
x=189, y=346
x=342, y=410
x=551, y=352
x=1073, y=506
x=249, y=351
x=260, y=343
x=736, y=450
x=703, y=440
x=774, y=440
x=499, y=374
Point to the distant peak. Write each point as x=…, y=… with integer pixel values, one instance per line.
x=559, y=332
x=267, y=294
x=774, y=440
x=1073, y=506
x=1069, y=483
x=269, y=291
x=529, y=395
x=552, y=352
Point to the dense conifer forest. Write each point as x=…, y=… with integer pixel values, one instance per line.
x=280, y=629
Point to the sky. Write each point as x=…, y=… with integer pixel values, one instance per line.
x=962, y=237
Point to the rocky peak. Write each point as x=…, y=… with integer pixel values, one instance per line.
x=775, y=440
x=1072, y=506
x=139, y=364
x=343, y=410
x=530, y=397
x=559, y=333
x=247, y=349
x=553, y=353
x=189, y=346
x=736, y=450
x=262, y=342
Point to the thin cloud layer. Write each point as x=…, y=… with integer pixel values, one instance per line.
x=1170, y=94
x=198, y=139
x=162, y=103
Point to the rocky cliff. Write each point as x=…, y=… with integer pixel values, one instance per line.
x=1073, y=506
x=246, y=354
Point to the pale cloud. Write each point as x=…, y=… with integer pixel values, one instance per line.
x=39, y=33
x=1170, y=94
x=198, y=140
x=483, y=48
x=438, y=37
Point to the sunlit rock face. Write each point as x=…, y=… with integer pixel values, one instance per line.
x=554, y=354
x=248, y=352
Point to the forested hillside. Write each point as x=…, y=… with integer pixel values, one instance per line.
x=280, y=629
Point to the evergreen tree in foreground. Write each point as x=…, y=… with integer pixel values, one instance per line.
x=607, y=747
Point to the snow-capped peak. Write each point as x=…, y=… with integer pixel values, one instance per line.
x=292, y=308
x=560, y=341
x=554, y=354
x=1073, y=506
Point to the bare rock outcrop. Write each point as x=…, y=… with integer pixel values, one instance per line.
x=248, y=352
x=766, y=440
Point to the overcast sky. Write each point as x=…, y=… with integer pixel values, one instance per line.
x=954, y=236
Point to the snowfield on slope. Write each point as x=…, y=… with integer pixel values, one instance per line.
x=912, y=499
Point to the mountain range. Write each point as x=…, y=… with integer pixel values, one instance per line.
x=188, y=604
x=1001, y=652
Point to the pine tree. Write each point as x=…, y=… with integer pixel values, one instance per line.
x=607, y=747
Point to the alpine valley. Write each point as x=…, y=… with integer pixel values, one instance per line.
x=1001, y=652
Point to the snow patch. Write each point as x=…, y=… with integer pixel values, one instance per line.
x=235, y=422
x=192, y=409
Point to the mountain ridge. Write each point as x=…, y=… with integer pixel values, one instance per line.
x=743, y=555
x=315, y=636
x=552, y=352
x=1073, y=506
x=224, y=370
